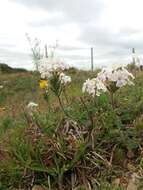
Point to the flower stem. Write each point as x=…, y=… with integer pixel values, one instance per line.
x=112, y=100
x=90, y=137
x=89, y=114
x=61, y=105
x=66, y=97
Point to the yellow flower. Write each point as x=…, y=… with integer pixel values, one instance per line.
x=43, y=84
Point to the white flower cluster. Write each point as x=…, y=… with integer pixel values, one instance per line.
x=65, y=79
x=119, y=75
x=93, y=87
x=97, y=85
x=32, y=107
x=47, y=66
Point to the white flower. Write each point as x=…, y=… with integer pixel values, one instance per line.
x=100, y=86
x=64, y=79
x=1, y=86
x=93, y=87
x=32, y=105
x=118, y=75
x=47, y=66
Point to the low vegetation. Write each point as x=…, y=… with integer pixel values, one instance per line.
x=84, y=144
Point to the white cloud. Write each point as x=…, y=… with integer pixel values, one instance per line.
x=112, y=27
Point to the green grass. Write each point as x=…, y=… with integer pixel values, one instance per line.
x=49, y=148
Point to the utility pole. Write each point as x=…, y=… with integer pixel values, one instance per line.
x=134, y=55
x=92, y=59
x=46, y=51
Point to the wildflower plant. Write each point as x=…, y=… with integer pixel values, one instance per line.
x=52, y=76
x=32, y=105
x=93, y=87
x=114, y=79
x=36, y=50
x=107, y=81
x=64, y=79
x=51, y=66
x=32, y=108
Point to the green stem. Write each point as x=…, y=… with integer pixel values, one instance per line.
x=66, y=97
x=61, y=105
x=89, y=114
x=112, y=100
x=60, y=182
x=48, y=101
x=112, y=96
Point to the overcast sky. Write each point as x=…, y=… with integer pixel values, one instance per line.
x=112, y=27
